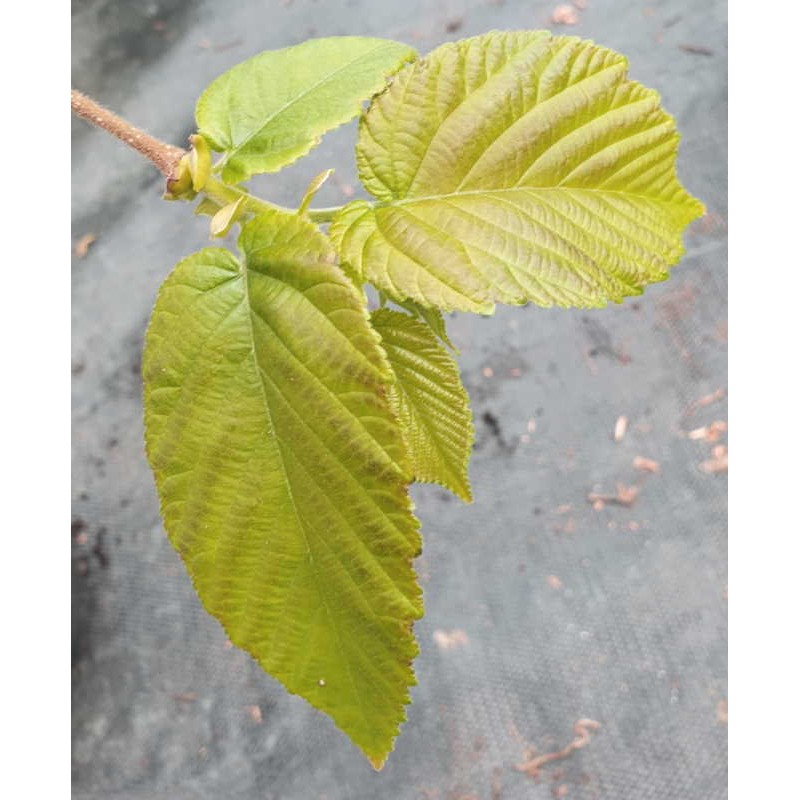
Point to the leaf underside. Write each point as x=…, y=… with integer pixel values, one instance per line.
x=282, y=473
x=516, y=167
x=273, y=108
x=429, y=400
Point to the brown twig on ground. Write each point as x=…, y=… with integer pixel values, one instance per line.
x=696, y=49
x=532, y=767
x=185, y=697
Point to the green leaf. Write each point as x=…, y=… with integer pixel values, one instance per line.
x=271, y=109
x=429, y=400
x=516, y=167
x=282, y=472
x=432, y=316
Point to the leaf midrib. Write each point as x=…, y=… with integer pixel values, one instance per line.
x=301, y=523
x=255, y=315
x=378, y=204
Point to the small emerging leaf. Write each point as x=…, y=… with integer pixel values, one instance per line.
x=429, y=400
x=515, y=167
x=199, y=161
x=224, y=219
x=313, y=187
x=281, y=471
x=268, y=111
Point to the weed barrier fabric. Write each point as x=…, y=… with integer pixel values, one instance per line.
x=588, y=579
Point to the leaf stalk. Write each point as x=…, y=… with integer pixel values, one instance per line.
x=167, y=159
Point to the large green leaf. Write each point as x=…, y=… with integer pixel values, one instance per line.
x=282, y=472
x=430, y=401
x=513, y=167
x=271, y=109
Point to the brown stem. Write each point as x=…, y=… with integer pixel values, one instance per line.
x=164, y=156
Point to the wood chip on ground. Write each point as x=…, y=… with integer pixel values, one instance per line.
x=709, y=433
x=83, y=244
x=718, y=461
x=448, y=640
x=565, y=15
x=620, y=428
x=625, y=496
x=646, y=464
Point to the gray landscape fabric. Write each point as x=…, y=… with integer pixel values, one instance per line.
x=588, y=579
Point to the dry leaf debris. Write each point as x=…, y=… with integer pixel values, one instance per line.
x=583, y=733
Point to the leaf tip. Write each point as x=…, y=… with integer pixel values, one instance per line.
x=698, y=208
x=377, y=763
